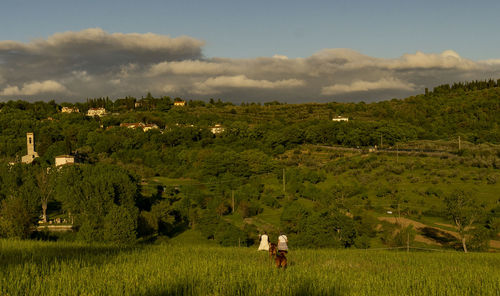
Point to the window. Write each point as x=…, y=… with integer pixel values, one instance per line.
x=29, y=139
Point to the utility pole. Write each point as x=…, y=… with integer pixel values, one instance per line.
x=399, y=212
x=459, y=144
x=397, y=153
x=380, y=141
x=232, y=200
x=408, y=242
x=284, y=182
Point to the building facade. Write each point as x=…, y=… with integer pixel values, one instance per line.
x=64, y=159
x=340, y=118
x=96, y=112
x=70, y=110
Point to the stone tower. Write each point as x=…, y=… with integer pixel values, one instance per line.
x=30, y=144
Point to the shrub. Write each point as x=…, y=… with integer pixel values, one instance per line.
x=15, y=219
x=492, y=179
x=120, y=225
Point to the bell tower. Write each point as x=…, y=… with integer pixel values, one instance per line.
x=30, y=145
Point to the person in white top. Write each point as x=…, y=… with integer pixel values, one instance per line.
x=264, y=242
x=282, y=243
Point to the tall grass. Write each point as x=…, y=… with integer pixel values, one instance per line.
x=63, y=268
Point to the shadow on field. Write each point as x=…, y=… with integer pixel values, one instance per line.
x=308, y=289
x=179, y=288
x=43, y=255
x=441, y=237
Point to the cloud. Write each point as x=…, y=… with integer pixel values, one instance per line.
x=35, y=88
x=448, y=59
x=281, y=57
x=493, y=62
x=190, y=67
x=94, y=51
x=364, y=86
x=214, y=85
x=96, y=40
x=95, y=63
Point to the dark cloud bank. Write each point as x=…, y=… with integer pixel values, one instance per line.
x=72, y=66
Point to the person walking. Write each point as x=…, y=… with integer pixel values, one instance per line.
x=282, y=243
x=264, y=242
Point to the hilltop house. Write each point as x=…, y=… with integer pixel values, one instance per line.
x=70, y=110
x=340, y=118
x=149, y=126
x=217, y=129
x=144, y=127
x=30, y=143
x=96, y=111
x=180, y=103
x=64, y=159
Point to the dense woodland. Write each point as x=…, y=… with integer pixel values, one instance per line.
x=275, y=167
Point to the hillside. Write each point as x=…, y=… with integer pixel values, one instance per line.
x=231, y=172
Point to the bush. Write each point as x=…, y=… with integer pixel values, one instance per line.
x=15, y=219
x=479, y=239
x=120, y=225
x=270, y=201
x=492, y=179
x=249, y=209
x=362, y=242
x=229, y=235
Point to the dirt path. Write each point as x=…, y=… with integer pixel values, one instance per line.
x=445, y=225
x=405, y=222
x=420, y=238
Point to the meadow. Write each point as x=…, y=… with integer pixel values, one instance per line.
x=74, y=268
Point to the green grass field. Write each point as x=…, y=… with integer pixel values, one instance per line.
x=63, y=268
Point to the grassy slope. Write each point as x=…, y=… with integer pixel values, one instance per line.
x=422, y=183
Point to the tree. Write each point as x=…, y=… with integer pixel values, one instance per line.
x=463, y=210
x=19, y=195
x=44, y=180
x=92, y=193
x=15, y=218
x=120, y=225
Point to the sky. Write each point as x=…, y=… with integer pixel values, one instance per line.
x=293, y=51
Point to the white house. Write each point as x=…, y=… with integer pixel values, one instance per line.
x=64, y=159
x=149, y=126
x=180, y=103
x=144, y=127
x=31, y=153
x=96, y=111
x=340, y=118
x=132, y=125
x=217, y=129
x=70, y=110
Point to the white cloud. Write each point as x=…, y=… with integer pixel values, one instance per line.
x=169, y=88
x=491, y=62
x=35, y=88
x=360, y=85
x=190, y=67
x=280, y=57
x=448, y=59
x=131, y=41
x=214, y=85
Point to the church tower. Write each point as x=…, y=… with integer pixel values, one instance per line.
x=30, y=144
